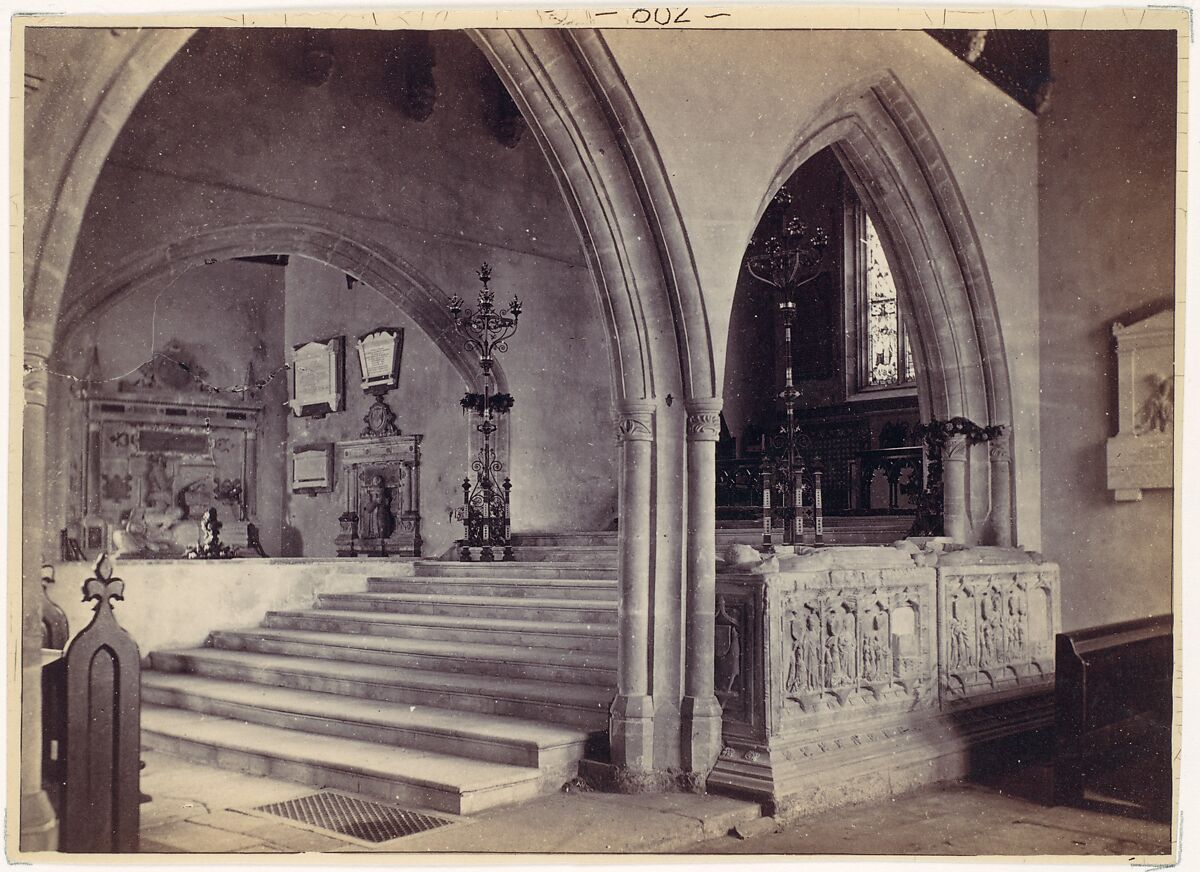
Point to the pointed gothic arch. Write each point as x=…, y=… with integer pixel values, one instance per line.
x=893, y=160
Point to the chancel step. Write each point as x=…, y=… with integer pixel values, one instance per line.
x=588, y=611
x=585, y=637
x=580, y=706
x=537, y=663
x=498, y=739
x=561, y=588
x=500, y=569
x=444, y=782
x=410, y=689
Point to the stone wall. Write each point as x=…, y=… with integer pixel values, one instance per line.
x=1107, y=187
x=425, y=402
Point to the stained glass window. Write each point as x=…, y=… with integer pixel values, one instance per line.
x=888, y=357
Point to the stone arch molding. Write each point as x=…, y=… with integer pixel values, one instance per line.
x=586, y=121
x=134, y=59
x=613, y=181
x=400, y=282
x=897, y=168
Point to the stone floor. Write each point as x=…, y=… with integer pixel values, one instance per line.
x=201, y=810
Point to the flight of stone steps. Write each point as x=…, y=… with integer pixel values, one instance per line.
x=464, y=687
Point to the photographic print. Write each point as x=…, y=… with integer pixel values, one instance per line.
x=783, y=459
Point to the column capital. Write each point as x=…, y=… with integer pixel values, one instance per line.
x=635, y=420
x=955, y=448
x=703, y=419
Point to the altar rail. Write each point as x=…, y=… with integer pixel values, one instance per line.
x=856, y=673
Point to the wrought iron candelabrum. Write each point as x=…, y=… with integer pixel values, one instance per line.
x=787, y=259
x=485, y=510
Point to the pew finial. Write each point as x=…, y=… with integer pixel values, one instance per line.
x=102, y=586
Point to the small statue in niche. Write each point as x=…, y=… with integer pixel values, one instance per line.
x=1158, y=411
x=876, y=652
x=375, y=519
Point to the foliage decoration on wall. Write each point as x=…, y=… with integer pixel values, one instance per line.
x=935, y=433
x=498, y=404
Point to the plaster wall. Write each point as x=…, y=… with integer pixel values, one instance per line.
x=177, y=603
x=228, y=316
x=228, y=136
x=725, y=109
x=1107, y=199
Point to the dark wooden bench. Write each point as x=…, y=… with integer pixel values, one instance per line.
x=1112, y=716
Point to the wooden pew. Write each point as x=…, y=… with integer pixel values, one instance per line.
x=1113, y=702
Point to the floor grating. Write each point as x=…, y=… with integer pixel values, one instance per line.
x=358, y=818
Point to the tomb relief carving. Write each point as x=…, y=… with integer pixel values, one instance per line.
x=876, y=647
x=848, y=648
x=992, y=639
x=728, y=654
x=806, y=664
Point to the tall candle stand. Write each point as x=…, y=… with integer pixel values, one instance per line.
x=786, y=260
x=485, y=512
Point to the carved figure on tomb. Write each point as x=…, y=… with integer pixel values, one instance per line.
x=960, y=645
x=991, y=629
x=839, y=649
x=147, y=530
x=159, y=491
x=727, y=659
x=375, y=521
x=962, y=642
x=1015, y=621
x=1158, y=411
x=804, y=672
x=876, y=652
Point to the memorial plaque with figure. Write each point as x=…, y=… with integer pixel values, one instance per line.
x=380, y=489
